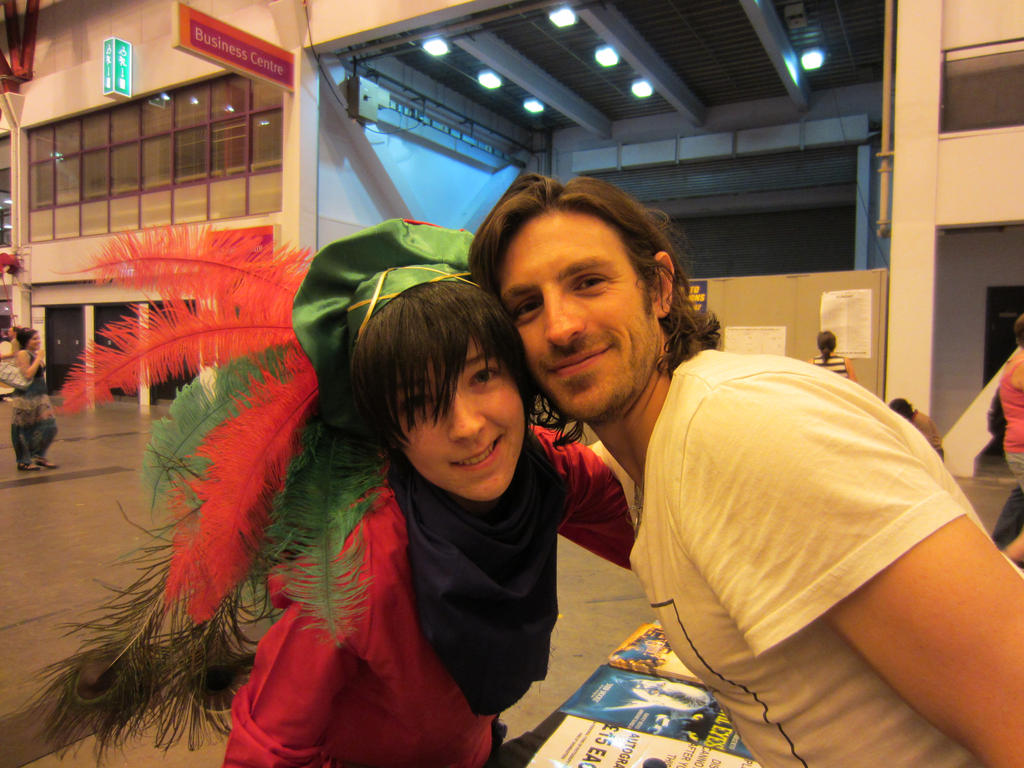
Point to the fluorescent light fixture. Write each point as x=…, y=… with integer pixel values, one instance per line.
x=435, y=46
x=8, y=201
x=532, y=105
x=563, y=17
x=641, y=89
x=488, y=79
x=812, y=59
x=606, y=56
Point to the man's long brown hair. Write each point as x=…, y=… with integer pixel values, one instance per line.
x=644, y=233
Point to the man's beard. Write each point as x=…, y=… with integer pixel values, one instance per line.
x=615, y=395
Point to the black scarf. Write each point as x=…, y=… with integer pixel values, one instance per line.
x=485, y=587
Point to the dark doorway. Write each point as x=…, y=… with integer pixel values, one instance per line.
x=105, y=315
x=166, y=390
x=1003, y=305
x=65, y=341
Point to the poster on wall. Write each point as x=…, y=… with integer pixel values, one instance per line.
x=848, y=315
x=755, y=340
x=699, y=295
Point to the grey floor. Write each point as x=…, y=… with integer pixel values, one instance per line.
x=65, y=529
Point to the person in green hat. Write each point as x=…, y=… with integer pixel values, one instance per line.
x=447, y=574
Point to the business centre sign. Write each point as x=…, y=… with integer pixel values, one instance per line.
x=212, y=39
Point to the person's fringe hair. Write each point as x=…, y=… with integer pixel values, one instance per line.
x=407, y=362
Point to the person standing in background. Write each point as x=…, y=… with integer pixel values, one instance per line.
x=33, y=425
x=921, y=420
x=836, y=364
x=1011, y=395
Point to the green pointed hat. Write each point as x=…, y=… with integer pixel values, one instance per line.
x=354, y=277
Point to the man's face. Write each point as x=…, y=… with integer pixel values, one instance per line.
x=589, y=325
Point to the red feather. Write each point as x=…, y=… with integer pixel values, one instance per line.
x=175, y=339
x=249, y=457
x=198, y=262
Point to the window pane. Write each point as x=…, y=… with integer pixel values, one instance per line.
x=124, y=213
x=124, y=169
x=157, y=112
x=68, y=137
x=68, y=172
x=124, y=123
x=190, y=204
x=229, y=96
x=41, y=225
x=985, y=91
x=227, y=198
x=228, y=148
x=41, y=144
x=94, y=174
x=191, y=106
x=265, y=193
x=265, y=95
x=266, y=140
x=95, y=130
x=42, y=185
x=65, y=221
x=156, y=162
x=94, y=218
x=190, y=154
x=156, y=209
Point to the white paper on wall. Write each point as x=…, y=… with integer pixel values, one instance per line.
x=756, y=340
x=848, y=315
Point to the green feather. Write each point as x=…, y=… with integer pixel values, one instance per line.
x=330, y=487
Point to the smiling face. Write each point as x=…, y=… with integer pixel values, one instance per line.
x=471, y=450
x=588, y=323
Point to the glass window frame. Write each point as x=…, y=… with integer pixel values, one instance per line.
x=43, y=159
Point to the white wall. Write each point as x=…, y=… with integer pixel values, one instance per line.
x=965, y=179
x=981, y=177
x=967, y=263
x=912, y=266
x=970, y=22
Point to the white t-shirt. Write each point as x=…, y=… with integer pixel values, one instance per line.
x=772, y=490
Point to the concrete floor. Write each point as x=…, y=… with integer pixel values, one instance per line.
x=64, y=530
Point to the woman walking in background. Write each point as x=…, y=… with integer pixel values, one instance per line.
x=33, y=426
x=827, y=346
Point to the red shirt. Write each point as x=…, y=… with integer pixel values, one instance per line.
x=1013, y=408
x=378, y=695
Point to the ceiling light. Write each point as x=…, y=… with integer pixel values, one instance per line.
x=563, y=17
x=606, y=56
x=812, y=59
x=8, y=201
x=435, y=46
x=641, y=89
x=532, y=105
x=488, y=79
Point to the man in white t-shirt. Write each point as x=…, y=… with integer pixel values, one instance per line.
x=806, y=551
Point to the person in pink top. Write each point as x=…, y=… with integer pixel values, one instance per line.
x=1011, y=393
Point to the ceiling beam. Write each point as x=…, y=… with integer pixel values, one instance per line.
x=613, y=28
x=775, y=41
x=508, y=62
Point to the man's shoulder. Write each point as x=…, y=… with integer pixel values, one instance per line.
x=713, y=367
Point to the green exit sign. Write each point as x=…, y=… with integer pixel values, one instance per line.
x=117, y=67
